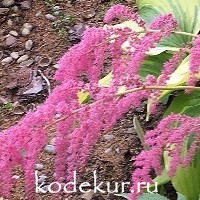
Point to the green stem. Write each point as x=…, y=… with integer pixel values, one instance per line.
x=157, y=88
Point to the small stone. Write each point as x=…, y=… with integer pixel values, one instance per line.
x=117, y=150
x=56, y=66
x=14, y=33
x=28, y=26
x=22, y=58
x=41, y=178
x=108, y=150
x=56, y=8
x=15, y=9
x=4, y=11
x=16, y=177
x=39, y=166
x=50, y=17
x=10, y=40
x=8, y=3
x=108, y=137
x=7, y=60
x=39, y=13
x=50, y=149
x=25, y=5
x=9, y=22
x=29, y=45
x=45, y=188
x=88, y=195
x=15, y=55
x=27, y=63
x=25, y=32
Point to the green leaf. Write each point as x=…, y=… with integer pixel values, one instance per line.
x=154, y=64
x=124, y=195
x=188, y=104
x=185, y=12
x=181, y=196
x=105, y=81
x=148, y=196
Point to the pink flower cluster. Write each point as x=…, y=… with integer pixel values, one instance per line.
x=77, y=132
x=169, y=136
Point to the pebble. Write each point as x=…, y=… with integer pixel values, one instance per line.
x=117, y=150
x=108, y=137
x=8, y=3
x=28, y=26
x=25, y=5
x=15, y=55
x=108, y=150
x=27, y=63
x=50, y=149
x=39, y=13
x=22, y=58
x=50, y=17
x=41, y=178
x=7, y=60
x=56, y=66
x=9, y=22
x=10, y=40
x=15, y=9
x=4, y=11
x=16, y=177
x=29, y=45
x=25, y=32
x=56, y=8
x=39, y=166
x=14, y=33
x=45, y=188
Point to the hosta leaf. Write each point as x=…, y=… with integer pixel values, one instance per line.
x=188, y=104
x=154, y=64
x=186, y=13
x=148, y=196
x=105, y=81
x=181, y=196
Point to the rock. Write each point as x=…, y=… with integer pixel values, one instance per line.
x=56, y=66
x=50, y=17
x=117, y=150
x=108, y=137
x=29, y=45
x=15, y=9
x=39, y=166
x=15, y=55
x=19, y=110
x=7, y=60
x=50, y=149
x=8, y=3
x=9, y=22
x=28, y=26
x=41, y=178
x=16, y=177
x=10, y=40
x=4, y=11
x=108, y=150
x=88, y=195
x=39, y=13
x=25, y=5
x=14, y=33
x=56, y=8
x=26, y=32
x=22, y=58
x=44, y=62
x=27, y=63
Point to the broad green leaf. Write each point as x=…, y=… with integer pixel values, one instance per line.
x=188, y=104
x=124, y=195
x=181, y=196
x=159, y=50
x=185, y=12
x=154, y=64
x=148, y=196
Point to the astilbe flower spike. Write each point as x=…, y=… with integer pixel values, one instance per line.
x=79, y=126
x=169, y=136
